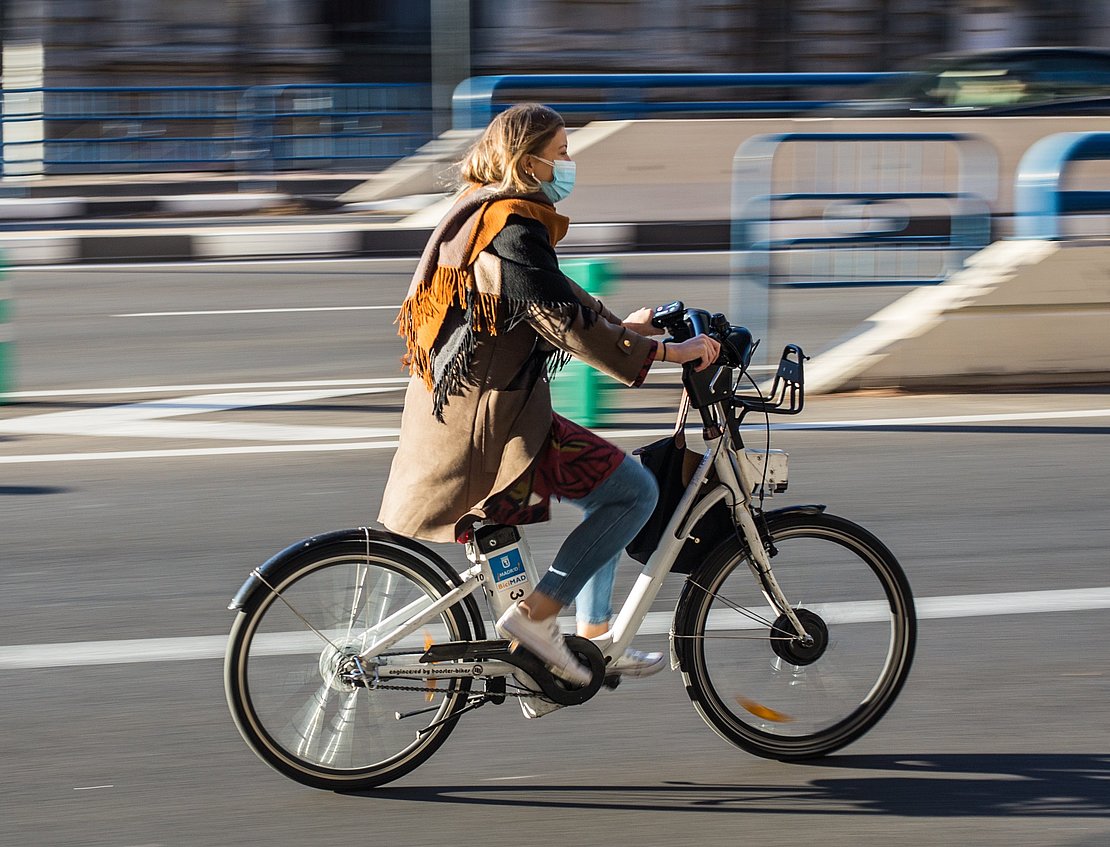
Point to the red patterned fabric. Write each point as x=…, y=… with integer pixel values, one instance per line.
x=648, y=362
x=575, y=463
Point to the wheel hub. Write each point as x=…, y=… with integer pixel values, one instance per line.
x=795, y=650
x=338, y=667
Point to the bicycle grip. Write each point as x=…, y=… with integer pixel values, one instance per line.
x=698, y=326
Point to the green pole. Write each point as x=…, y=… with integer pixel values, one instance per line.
x=576, y=391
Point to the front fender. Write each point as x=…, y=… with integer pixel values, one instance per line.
x=809, y=509
x=267, y=571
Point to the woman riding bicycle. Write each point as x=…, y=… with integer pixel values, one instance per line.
x=488, y=319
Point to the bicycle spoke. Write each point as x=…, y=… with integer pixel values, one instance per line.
x=747, y=612
x=779, y=696
x=310, y=711
x=299, y=616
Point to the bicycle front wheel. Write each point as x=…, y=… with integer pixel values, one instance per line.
x=291, y=643
x=759, y=686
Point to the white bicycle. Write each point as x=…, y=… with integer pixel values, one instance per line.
x=354, y=654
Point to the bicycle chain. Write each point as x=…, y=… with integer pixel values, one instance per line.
x=425, y=691
x=528, y=694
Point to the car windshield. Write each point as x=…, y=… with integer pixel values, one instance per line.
x=1000, y=81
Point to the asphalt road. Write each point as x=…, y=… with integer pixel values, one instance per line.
x=122, y=523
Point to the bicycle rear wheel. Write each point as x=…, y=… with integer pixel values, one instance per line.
x=769, y=693
x=287, y=648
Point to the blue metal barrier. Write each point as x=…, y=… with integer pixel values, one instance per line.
x=260, y=128
x=854, y=209
x=1040, y=201
x=473, y=101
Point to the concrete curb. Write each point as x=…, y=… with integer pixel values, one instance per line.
x=55, y=208
x=272, y=240
x=1021, y=313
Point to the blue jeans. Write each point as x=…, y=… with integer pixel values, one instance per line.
x=586, y=564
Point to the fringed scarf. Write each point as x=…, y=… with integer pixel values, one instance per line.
x=444, y=310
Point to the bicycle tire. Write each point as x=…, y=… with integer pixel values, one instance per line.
x=772, y=696
x=281, y=685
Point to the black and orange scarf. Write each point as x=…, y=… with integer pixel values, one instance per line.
x=445, y=308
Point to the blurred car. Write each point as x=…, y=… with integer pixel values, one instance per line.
x=1015, y=81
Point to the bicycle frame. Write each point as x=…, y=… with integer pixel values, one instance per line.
x=787, y=683
x=734, y=486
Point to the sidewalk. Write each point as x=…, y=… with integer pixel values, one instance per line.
x=222, y=216
x=261, y=231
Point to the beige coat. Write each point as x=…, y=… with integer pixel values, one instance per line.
x=442, y=473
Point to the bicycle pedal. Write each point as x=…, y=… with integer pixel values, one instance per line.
x=611, y=681
x=450, y=651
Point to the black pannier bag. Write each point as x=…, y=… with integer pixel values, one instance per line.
x=673, y=465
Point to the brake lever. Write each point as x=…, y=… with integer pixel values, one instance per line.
x=721, y=371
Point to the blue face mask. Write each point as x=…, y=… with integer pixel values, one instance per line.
x=562, y=182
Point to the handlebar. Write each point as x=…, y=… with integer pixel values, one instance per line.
x=683, y=324
x=716, y=383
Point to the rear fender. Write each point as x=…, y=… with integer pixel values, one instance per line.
x=268, y=570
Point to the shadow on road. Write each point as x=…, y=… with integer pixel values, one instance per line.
x=30, y=490
x=941, y=786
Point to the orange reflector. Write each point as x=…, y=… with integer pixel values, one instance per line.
x=430, y=684
x=761, y=711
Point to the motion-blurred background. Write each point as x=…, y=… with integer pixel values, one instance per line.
x=209, y=214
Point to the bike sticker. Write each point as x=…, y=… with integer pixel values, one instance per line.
x=508, y=568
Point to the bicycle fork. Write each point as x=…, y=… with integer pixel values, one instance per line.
x=760, y=560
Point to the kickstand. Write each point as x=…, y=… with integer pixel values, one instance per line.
x=474, y=703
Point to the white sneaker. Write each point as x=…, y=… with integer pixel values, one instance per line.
x=636, y=663
x=545, y=640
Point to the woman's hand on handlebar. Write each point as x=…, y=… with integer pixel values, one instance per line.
x=640, y=322
x=699, y=347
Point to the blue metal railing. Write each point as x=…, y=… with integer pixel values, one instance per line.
x=272, y=127
x=473, y=104
x=854, y=209
x=1040, y=201
x=258, y=128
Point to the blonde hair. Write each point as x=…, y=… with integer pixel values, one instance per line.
x=495, y=158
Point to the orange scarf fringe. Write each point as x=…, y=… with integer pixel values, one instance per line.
x=422, y=314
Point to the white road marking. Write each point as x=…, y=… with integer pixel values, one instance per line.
x=142, y=650
x=93, y=787
x=254, y=311
x=194, y=452
x=613, y=434
x=145, y=419
x=210, y=386
x=954, y=419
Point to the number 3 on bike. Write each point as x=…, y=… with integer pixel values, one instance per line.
x=354, y=654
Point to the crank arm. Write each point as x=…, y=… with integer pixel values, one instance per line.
x=554, y=689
